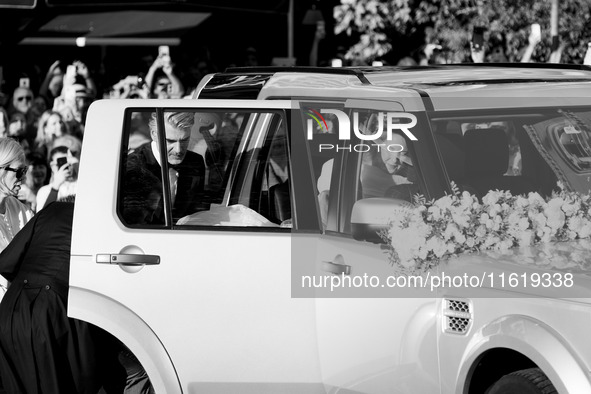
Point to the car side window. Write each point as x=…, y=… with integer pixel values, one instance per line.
x=221, y=168
x=141, y=201
x=386, y=167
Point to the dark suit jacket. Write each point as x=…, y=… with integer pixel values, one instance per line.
x=189, y=196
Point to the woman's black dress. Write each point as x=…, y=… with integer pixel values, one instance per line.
x=41, y=349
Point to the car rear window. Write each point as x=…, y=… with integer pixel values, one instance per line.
x=514, y=150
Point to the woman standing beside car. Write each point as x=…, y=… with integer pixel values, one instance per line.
x=13, y=214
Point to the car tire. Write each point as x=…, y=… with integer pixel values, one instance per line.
x=526, y=381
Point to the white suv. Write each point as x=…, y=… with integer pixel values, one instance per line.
x=215, y=298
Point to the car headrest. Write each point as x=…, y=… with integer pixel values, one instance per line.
x=487, y=152
x=454, y=158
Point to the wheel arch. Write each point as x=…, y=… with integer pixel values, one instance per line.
x=120, y=322
x=493, y=364
x=532, y=343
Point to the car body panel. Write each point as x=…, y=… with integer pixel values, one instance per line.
x=534, y=321
x=223, y=312
x=241, y=315
x=548, y=349
x=361, y=337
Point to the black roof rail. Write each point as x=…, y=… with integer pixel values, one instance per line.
x=300, y=69
x=361, y=71
x=560, y=66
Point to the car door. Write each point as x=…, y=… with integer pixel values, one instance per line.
x=202, y=300
x=374, y=334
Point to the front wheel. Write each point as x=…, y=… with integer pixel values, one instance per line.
x=526, y=381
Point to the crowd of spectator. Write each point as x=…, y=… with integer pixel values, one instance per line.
x=49, y=126
x=52, y=116
x=49, y=123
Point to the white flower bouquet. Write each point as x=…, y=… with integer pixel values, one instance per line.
x=458, y=223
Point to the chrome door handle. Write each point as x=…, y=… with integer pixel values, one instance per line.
x=337, y=269
x=128, y=259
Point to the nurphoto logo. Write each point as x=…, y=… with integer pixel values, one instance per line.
x=378, y=137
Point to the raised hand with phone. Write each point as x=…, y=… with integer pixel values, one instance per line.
x=477, y=44
x=64, y=175
x=62, y=169
x=78, y=92
x=319, y=35
x=53, y=83
x=77, y=68
x=161, y=79
x=70, y=77
x=164, y=58
x=132, y=86
x=535, y=36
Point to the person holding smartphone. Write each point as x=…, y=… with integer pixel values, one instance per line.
x=496, y=45
x=477, y=44
x=64, y=175
x=535, y=36
x=161, y=79
x=52, y=84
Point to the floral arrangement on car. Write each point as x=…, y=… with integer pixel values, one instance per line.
x=421, y=237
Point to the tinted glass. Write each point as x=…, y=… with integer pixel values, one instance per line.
x=526, y=150
x=221, y=168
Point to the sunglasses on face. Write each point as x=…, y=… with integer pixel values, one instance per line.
x=20, y=172
x=28, y=98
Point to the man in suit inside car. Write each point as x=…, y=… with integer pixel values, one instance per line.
x=186, y=169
